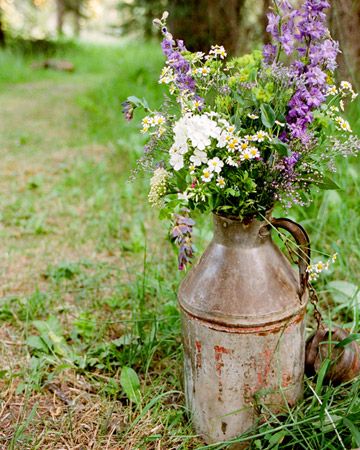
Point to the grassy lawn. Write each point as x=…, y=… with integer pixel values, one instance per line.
x=89, y=280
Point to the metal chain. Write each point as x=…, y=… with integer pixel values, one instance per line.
x=314, y=300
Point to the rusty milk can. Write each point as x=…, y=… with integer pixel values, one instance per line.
x=243, y=309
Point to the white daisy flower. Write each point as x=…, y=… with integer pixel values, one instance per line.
x=220, y=182
x=218, y=50
x=215, y=165
x=207, y=175
x=232, y=144
x=332, y=90
x=203, y=71
x=253, y=116
x=343, y=124
x=246, y=155
x=254, y=152
x=244, y=145
x=346, y=86
x=260, y=136
x=159, y=119
x=231, y=162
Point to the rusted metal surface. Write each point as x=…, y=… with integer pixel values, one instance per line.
x=243, y=330
x=345, y=360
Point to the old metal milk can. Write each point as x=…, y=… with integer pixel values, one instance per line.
x=243, y=310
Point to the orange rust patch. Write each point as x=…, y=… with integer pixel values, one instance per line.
x=262, y=375
x=219, y=352
x=285, y=380
x=198, y=354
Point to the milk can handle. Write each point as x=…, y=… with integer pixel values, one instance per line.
x=303, y=241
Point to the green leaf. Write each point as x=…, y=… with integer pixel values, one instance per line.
x=267, y=115
x=281, y=147
x=346, y=341
x=344, y=292
x=277, y=438
x=321, y=374
x=353, y=429
x=135, y=100
x=131, y=384
x=37, y=343
x=327, y=183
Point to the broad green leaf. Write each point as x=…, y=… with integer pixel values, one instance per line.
x=37, y=343
x=267, y=115
x=131, y=384
x=135, y=100
x=343, y=291
x=327, y=183
x=281, y=147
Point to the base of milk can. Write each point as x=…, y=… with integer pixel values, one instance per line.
x=231, y=372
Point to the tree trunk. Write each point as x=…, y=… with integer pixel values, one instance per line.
x=264, y=21
x=224, y=23
x=77, y=26
x=345, y=25
x=2, y=32
x=202, y=23
x=60, y=12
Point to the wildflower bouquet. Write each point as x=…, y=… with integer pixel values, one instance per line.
x=237, y=135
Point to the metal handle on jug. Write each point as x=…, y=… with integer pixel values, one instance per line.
x=303, y=241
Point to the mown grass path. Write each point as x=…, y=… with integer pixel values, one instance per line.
x=81, y=272
x=42, y=138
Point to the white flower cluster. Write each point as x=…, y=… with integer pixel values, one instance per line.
x=167, y=75
x=218, y=50
x=347, y=89
x=158, y=184
x=243, y=146
x=315, y=269
x=202, y=71
x=199, y=130
x=154, y=124
x=342, y=124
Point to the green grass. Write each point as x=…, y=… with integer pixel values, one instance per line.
x=89, y=279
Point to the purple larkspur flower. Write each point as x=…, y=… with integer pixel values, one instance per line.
x=181, y=234
x=167, y=47
x=290, y=161
x=325, y=54
x=273, y=24
x=269, y=53
x=304, y=35
x=179, y=64
x=181, y=45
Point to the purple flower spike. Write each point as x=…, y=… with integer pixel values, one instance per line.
x=181, y=234
x=303, y=34
x=269, y=52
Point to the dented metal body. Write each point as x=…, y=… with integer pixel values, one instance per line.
x=243, y=313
